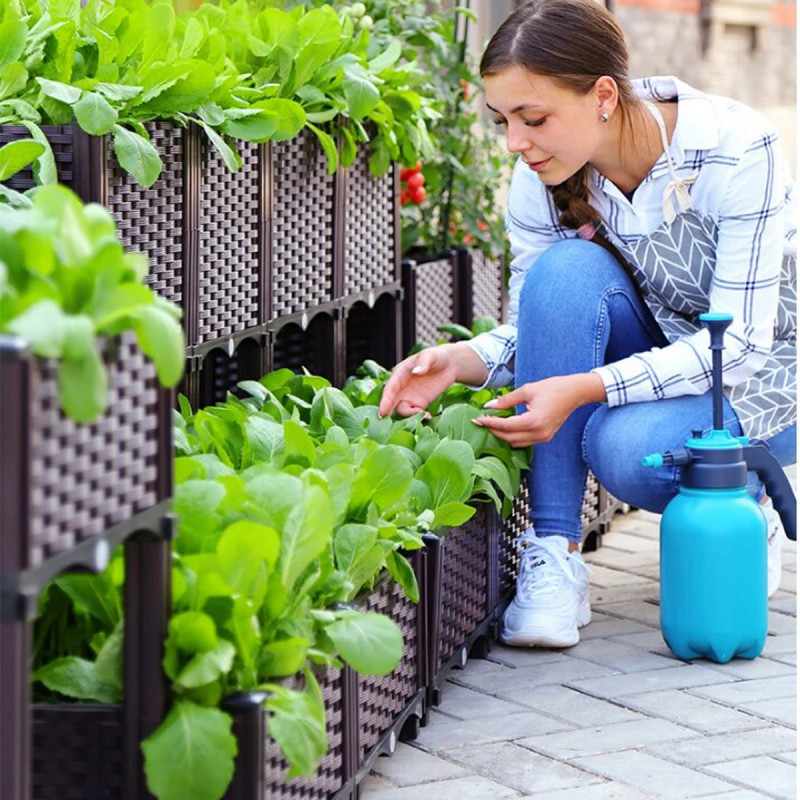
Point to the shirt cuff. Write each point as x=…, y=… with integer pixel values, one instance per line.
x=629, y=380
x=499, y=373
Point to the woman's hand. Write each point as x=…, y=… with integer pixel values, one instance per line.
x=549, y=402
x=418, y=380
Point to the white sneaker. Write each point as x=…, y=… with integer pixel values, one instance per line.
x=774, y=544
x=552, y=599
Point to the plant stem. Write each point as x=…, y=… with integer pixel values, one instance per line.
x=456, y=109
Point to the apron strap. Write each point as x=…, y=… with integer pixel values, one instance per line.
x=676, y=192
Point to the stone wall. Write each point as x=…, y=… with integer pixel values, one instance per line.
x=742, y=50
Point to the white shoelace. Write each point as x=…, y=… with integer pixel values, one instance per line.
x=543, y=578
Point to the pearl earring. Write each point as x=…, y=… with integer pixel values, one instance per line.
x=604, y=117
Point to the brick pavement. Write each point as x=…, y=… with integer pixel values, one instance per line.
x=617, y=717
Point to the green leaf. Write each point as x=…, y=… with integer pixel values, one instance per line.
x=207, y=667
x=44, y=170
x=13, y=78
x=247, y=553
x=494, y=469
x=190, y=754
x=94, y=114
x=193, y=37
x=387, y=58
x=118, y=92
x=77, y=677
x=297, y=723
x=448, y=472
x=95, y=594
x=43, y=326
x=298, y=445
x=109, y=660
x=351, y=543
x=282, y=658
x=265, y=437
x=459, y=331
x=328, y=146
x=79, y=338
x=193, y=632
x=451, y=515
x=137, y=156
x=382, y=478
x=318, y=37
x=63, y=92
x=276, y=494
x=349, y=151
x=161, y=339
x=243, y=626
x=12, y=36
x=370, y=643
x=230, y=156
x=402, y=572
x=83, y=387
x=361, y=94
x=14, y=156
x=307, y=532
x=456, y=423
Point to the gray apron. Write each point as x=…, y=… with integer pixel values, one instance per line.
x=674, y=267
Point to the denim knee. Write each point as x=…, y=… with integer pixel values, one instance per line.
x=567, y=265
x=613, y=451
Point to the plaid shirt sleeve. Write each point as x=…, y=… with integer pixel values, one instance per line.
x=532, y=226
x=745, y=284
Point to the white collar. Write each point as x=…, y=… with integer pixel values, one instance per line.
x=696, y=128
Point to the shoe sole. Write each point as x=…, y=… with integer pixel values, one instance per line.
x=566, y=638
x=539, y=640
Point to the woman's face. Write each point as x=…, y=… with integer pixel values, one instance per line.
x=555, y=130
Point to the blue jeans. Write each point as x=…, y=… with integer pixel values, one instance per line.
x=579, y=310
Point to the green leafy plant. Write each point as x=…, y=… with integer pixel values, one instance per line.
x=238, y=70
x=65, y=280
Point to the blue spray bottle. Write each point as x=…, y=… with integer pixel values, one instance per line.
x=714, y=535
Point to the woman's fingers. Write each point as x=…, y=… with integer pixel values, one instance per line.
x=511, y=399
x=407, y=409
x=516, y=424
x=396, y=383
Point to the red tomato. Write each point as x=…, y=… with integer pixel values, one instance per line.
x=415, y=181
x=483, y=226
x=404, y=197
x=417, y=195
x=467, y=238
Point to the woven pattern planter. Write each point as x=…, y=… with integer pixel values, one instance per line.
x=302, y=226
x=488, y=280
x=151, y=221
x=77, y=752
x=464, y=593
x=230, y=275
x=83, y=479
x=382, y=698
x=331, y=774
x=370, y=232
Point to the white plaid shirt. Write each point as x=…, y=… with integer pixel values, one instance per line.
x=742, y=184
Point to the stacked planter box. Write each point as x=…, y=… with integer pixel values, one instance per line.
x=69, y=494
x=455, y=285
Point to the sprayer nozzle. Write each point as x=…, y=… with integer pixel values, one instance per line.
x=656, y=460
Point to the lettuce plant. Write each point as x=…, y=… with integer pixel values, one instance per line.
x=65, y=280
x=238, y=70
